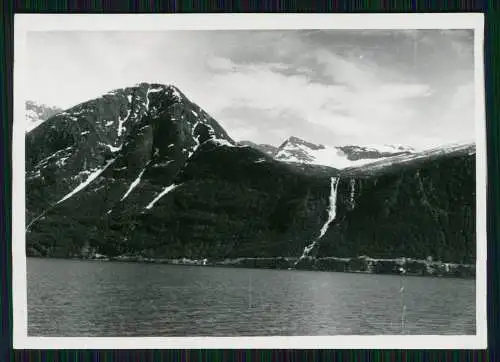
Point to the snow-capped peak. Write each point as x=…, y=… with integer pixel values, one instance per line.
x=385, y=148
x=297, y=150
x=37, y=113
x=455, y=148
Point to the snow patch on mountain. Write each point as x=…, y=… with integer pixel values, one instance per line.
x=134, y=184
x=62, y=161
x=162, y=164
x=196, y=139
x=92, y=176
x=327, y=156
x=121, y=121
x=469, y=149
x=165, y=191
x=61, y=153
x=384, y=148
x=147, y=99
x=113, y=149
x=340, y=157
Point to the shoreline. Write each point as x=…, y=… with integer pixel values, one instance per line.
x=355, y=265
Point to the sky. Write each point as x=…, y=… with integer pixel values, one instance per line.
x=334, y=87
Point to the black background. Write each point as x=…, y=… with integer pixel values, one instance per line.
x=492, y=82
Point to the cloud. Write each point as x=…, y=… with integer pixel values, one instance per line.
x=453, y=122
x=461, y=106
x=220, y=64
x=325, y=86
x=353, y=101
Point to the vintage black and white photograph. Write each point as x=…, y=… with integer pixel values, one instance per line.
x=255, y=182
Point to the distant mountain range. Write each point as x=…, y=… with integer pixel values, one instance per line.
x=267, y=149
x=144, y=171
x=296, y=150
x=36, y=114
x=293, y=149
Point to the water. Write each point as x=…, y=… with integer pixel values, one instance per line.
x=332, y=213
x=92, y=298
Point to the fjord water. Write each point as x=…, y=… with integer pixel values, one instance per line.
x=91, y=298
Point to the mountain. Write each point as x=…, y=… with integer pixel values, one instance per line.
x=38, y=113
x=150, y=128
x=297, y=150
x=144, y=171
x=416, y=205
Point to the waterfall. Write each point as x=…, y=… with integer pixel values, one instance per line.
x=332, y=209
x=353, y=192
x=332, y=213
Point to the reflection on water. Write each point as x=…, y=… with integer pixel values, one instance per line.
x=84, y=298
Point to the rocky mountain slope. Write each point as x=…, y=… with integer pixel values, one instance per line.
x=144, y=171
x=36, y=114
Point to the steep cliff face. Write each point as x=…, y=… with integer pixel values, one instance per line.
x=145, y=171
x=424, y=208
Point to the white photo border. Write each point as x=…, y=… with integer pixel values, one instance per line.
x=25, y=23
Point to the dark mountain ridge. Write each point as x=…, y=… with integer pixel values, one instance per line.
x=268, y=149
x=144, y=171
